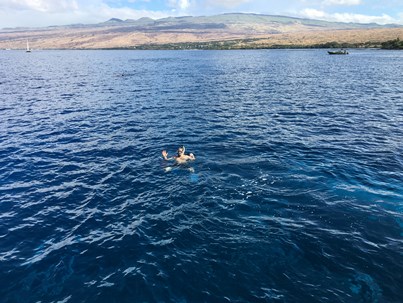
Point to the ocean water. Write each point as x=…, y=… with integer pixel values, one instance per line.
x=296, y=194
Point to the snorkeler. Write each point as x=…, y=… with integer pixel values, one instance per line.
x=181, y=157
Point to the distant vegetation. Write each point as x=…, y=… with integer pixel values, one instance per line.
x=256, y=44
x=392, y=44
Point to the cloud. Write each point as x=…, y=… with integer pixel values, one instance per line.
x=37, y=13
x=342, y=2
x=105, y=12
x=15, y=13
x=179, y=4
x=313, y=13
x=225, y=3
x=50, y=6
x=347, y=17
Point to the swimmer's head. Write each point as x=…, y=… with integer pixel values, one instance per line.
x=181, y=150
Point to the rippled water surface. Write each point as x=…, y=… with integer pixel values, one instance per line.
x=295, y=196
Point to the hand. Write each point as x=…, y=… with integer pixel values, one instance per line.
x=164, y=154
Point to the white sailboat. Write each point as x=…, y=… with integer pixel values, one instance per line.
x=28, y=49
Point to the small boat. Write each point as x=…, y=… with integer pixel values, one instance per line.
x=339, y=52
x=28, y=49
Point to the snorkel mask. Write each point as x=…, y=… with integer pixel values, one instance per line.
x=182, y=149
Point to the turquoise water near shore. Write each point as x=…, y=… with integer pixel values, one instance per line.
x=296, y=194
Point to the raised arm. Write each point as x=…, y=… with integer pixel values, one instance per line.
x=165, y=155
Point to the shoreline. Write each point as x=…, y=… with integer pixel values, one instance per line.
x=241, y=44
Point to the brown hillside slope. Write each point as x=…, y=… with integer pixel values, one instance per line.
x=269, y=30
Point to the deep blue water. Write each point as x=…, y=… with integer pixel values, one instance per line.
x=296, y=194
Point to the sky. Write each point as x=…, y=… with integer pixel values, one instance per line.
x=40, y=13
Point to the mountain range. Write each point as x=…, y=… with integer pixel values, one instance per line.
x=219, y=31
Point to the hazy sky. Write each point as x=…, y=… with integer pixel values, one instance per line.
x=14, y=13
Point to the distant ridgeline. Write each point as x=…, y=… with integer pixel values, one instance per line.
x=392, y=44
